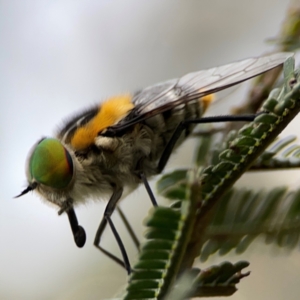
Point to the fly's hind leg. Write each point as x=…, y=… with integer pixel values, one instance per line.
x=148, y=188
x=129, y=228
x=178, y=131
x=183, y=125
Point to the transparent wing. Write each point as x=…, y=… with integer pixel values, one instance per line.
x=201, y=83
x=161, y=97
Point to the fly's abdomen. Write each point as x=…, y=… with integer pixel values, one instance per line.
x=162, y=126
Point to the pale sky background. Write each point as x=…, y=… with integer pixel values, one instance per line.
x=57, y=57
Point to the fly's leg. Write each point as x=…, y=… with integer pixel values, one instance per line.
x=110, y=207
x=112, y=204
x=129, y=228
x=148, y=189
x=182, y=126
x=78, y=231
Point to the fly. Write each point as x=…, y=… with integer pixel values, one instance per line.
x=126, y=140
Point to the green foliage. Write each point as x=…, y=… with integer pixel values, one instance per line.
x=154, y=275
x=244, y=215
x=168, y=232
x=283, y=154
x=289, y=37
x=219, y=280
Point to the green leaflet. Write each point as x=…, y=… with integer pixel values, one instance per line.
x=168, y=232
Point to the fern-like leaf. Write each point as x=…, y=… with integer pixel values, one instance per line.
x=244, y=215
x=169, y=230
x=219, y=280
x=282, y=154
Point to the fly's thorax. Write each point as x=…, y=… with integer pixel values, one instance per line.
x=141, y=147
x=110, y=162
x=118, y=160
x=114, y=160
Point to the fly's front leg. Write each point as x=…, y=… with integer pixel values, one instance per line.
x=77, y=230
x=110, y=207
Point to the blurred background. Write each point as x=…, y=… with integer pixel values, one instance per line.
x=57, y=57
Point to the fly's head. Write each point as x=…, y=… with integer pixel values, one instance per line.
x=50, y=171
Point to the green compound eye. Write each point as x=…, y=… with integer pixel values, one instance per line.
x=51, y=164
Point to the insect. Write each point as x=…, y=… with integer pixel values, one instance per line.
x=124, y=141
